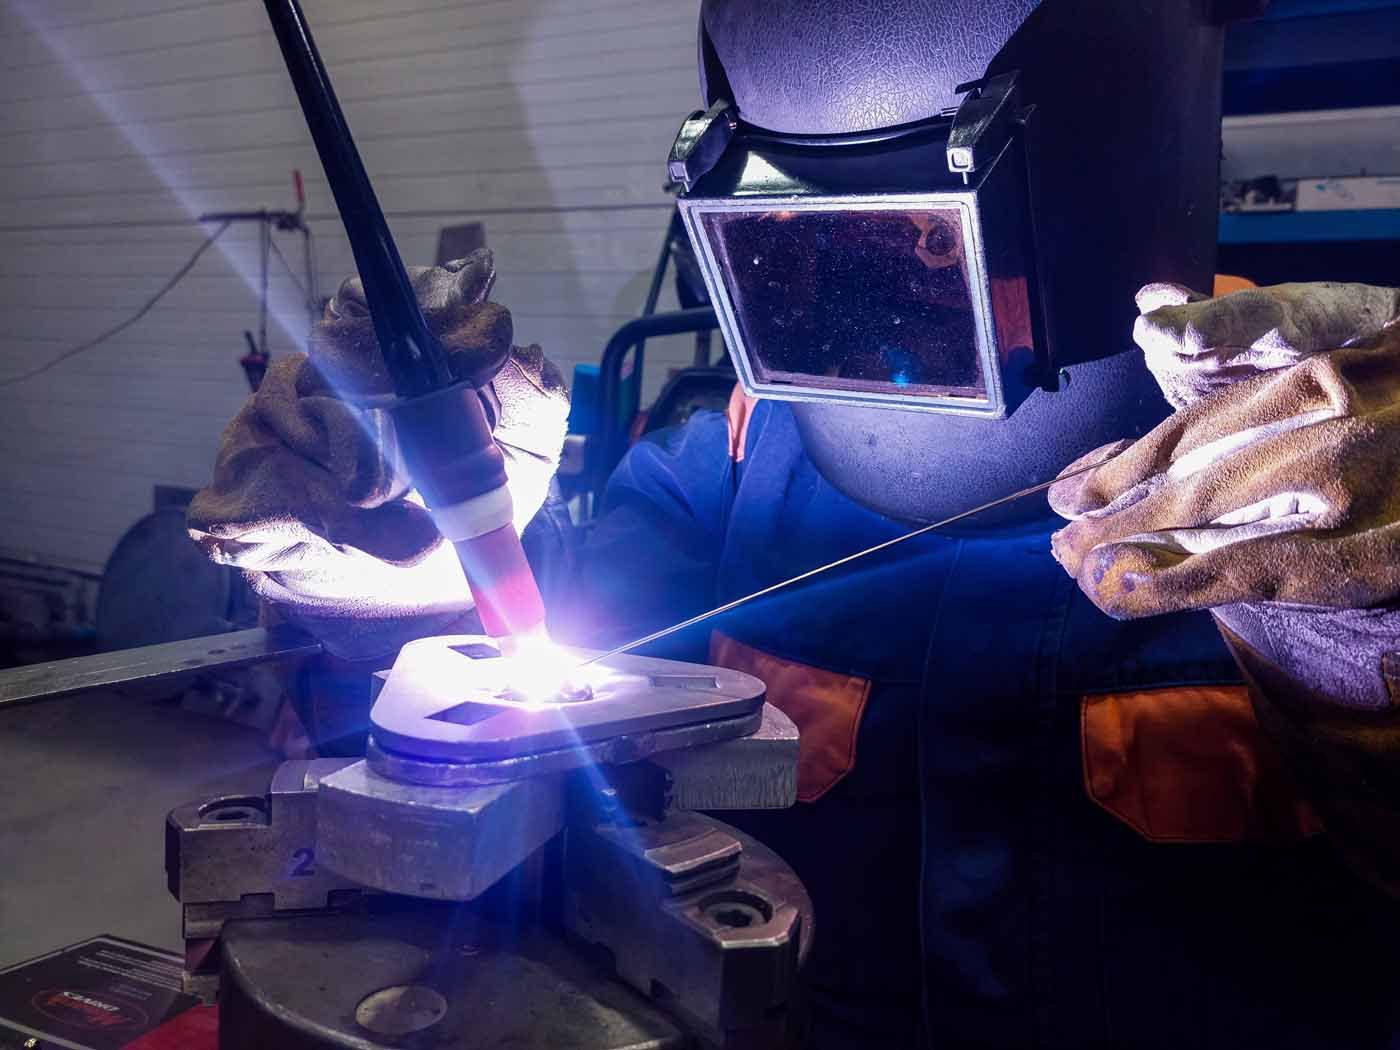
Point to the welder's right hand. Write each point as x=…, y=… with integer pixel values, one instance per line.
x=308, y=497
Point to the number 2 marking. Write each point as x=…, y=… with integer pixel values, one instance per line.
x=303, y=863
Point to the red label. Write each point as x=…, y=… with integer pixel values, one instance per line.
x=87, y=1011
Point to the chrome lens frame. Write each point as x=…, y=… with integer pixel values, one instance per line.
x=994, y=405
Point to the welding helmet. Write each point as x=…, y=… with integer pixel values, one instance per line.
x=924, y=222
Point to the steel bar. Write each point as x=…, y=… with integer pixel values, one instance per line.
x=59, y=678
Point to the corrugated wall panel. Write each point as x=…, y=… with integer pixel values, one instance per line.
x=120, y=120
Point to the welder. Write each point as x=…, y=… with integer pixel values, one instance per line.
x=1037, y=807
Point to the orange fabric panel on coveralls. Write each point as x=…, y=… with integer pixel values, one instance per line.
x=1225, y=284
x=1189, y=764
x=826, y=706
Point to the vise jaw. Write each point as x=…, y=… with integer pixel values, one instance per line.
x=699, y=920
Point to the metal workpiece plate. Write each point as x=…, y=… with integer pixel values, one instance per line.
x=437, y=977
x=441, y=703
x=617, y=750
x=440, y=843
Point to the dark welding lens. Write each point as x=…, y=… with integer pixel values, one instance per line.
x=876, y=301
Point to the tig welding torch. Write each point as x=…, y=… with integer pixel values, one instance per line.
x=440, y=421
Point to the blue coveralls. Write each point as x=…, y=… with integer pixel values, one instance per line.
x=968, y=892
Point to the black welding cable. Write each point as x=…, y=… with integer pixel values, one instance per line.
x=413, y=354
x=145, y=309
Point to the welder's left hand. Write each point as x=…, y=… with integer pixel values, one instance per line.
x=1278, y=478
x=308, y=497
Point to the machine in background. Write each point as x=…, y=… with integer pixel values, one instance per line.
x=1310, y=168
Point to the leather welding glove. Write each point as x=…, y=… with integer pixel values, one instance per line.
x=309, y=498
x=1274, y=488
x=1272, y=497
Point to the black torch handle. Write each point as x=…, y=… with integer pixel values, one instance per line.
x=415, y=358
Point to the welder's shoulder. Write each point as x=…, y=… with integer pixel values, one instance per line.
x=706, y=429
x=683, y=466
x=700, y=440
x=699, y=458
x=665, y=507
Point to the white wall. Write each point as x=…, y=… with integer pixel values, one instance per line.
x=548, y=120
x=1318, y=143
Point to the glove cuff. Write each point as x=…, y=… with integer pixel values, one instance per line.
x=1312, y=657
x=360, y=630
